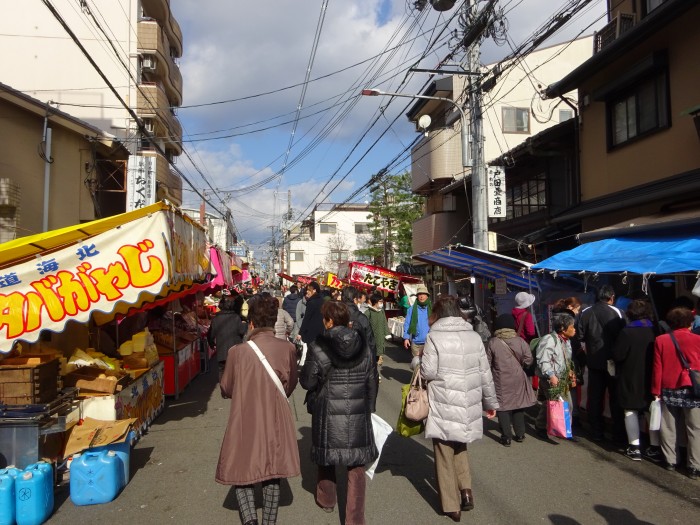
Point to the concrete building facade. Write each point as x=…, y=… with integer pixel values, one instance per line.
x=327, y=238
x=135, y=45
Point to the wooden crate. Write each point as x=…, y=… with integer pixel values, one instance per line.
x=28, y=380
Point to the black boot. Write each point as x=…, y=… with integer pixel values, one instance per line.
x=467, y=499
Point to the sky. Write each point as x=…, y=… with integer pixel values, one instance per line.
x=245, y=67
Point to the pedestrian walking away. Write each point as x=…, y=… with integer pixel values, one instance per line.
x=227, y=329
x=509, y=355
x=259, y=444
x=598, y=327
x=633, y=353
x=340, y=375
x=460, y=388
x=680, y=410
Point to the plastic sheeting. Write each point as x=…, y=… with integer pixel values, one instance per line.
x=641, y=255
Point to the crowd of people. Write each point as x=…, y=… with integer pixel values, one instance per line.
x=469, y=372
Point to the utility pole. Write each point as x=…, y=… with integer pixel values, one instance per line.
x=386, y=231
x=478, y=173
x=288, y=232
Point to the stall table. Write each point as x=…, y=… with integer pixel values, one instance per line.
x=142, y=399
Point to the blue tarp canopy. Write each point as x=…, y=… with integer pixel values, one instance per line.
x=659, y=255
x=482, y=264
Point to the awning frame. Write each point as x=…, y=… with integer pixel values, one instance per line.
x=482, y=263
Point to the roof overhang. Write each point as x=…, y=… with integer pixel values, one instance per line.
x=655, y=224
x=656, y=20
x=442, y=87
x=481, y=263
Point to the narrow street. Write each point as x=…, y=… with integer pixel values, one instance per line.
x=529, y=483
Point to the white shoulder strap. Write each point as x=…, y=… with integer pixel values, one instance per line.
x=269, y=369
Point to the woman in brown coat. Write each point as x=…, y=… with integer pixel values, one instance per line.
x=508, y=355
x=260, y=443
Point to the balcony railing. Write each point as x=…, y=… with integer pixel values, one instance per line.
x=617, y=27
x=153, y=103
x=436, y=160
x=153, y=40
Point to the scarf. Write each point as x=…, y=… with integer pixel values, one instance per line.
x=414, y=314
x=505, y=333
x=640, y=323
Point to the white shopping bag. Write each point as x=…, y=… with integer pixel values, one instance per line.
x=655, y=415
x=304, y=347
x=381, y=430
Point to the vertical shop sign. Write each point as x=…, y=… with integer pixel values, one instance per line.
x=140, y=182
x=496, y=193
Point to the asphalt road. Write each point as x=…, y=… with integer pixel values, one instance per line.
x=533, y=482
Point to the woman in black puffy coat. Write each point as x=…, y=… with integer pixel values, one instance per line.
x=341, y=376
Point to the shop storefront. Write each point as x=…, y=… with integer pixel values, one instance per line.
x=73, y=304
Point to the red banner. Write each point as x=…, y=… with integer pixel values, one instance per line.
x=366, y=275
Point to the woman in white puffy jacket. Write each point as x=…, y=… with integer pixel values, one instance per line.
x=460, y=388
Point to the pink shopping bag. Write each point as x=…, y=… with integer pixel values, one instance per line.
x=559, y=419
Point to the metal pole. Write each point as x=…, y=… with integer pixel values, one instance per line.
x=47, y=177
x=480, y=223
x=480, y=219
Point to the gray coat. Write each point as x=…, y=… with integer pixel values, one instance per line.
x=460, y=385
x=508, y=354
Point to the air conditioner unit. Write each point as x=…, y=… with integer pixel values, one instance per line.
x=449, y=203
x=148, y=124
x=148, y=62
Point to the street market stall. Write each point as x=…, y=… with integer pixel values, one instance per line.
x=640, y=263
x=58, y=286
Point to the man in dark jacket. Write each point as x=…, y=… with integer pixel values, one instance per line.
x=360, y=322
x=599, y=326
x=312, y=324
x=290, y=302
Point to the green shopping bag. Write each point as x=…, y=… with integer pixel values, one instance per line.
x=405, y=426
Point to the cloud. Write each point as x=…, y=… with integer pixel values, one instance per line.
x=234, y=50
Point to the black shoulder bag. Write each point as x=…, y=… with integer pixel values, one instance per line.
x=694, y=374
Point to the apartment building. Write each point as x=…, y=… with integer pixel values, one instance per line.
x=135, y=45
x=220, y=231
x=48, y=162
x=639, y=119
x=513, y=112
x=327, y=238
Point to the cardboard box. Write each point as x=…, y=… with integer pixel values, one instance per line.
x=28, y=380
x=87, y=379
x=95, y=433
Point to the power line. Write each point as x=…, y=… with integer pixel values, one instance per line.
x=131, y=112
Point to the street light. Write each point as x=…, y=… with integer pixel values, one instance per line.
x=480, y=224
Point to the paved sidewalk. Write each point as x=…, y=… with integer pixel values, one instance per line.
x=532, y=482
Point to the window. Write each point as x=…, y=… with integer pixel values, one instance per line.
x=339, y=255
x=526, y=197
x=516, y=120
x=296, y=256
x=565, y=114
x=361, y=227
x=328, y=227
x=640, y=111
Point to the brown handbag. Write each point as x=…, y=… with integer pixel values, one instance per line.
x=417, y=399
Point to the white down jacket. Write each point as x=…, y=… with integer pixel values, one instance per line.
x=460, y=385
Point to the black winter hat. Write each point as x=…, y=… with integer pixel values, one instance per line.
x=504, y=321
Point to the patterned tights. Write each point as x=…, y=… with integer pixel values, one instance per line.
x=271, y=499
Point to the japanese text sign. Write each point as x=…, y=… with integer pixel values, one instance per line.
x=67, y=285
x=496, y=191
x=366, y=275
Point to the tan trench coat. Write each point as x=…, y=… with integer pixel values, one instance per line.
x=260, y=442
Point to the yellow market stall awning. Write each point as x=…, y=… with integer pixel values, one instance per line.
x=103, y=267
x=13, y=251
